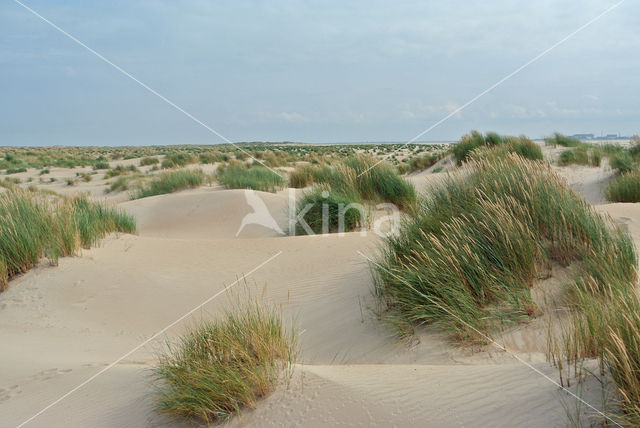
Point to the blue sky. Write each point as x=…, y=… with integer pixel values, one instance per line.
x=314, y=71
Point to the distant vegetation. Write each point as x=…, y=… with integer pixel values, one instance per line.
x=175, y=160
x=356, y=179
x=221, y=367
x=364, y=178
x=149, y=161
x=242, y=176
x=476, y=141
x=169, y=182
x=558, y=139
x=120, y=170
x=33, y=226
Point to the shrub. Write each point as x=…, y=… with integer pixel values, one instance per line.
x=169, y=182
x=238, y=176
x=44, y=171
x=467, y=259
x=32, y=226
x=219, y=367
x=148, y=161
x=625, y=187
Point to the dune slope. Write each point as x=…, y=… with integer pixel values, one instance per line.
x=61, y=325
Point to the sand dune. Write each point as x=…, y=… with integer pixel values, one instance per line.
x=60, y=325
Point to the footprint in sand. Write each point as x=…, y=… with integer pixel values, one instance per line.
x=50, y=373
x=8, y=393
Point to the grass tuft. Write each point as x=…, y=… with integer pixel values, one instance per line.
x=169, y=182
x=240, y=176
x=467, y=259
x=624, y=188
x=32, y=227
x=220, y=367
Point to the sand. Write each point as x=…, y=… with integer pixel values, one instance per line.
x=61, y=325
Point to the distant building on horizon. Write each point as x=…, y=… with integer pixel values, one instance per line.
x=583, y=136
x=587, y=137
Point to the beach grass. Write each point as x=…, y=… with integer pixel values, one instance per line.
x=220, y=367
x=240, y=176
x=624, y=187
x=558, y=139
x=33, y=226
x=476, y=144
x=169, y=182
x=331, y=211
x=467, y=259
x=359, y=178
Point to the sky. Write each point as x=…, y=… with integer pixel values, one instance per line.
x=314, y=71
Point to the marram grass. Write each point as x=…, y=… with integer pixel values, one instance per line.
x=221, y=366
x=359, y=178
x=33, y=226
x=467, y=259
x=240, y=176
x=169, y=182
x=624, y=187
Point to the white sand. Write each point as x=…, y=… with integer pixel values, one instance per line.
x=60, y=325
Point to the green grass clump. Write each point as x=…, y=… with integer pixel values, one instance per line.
x=493, y=144
x=364, y=176
x=239, y=176
x=622, y=162
x=468, y=143
x=355, y=180
x=120, y=170
x=169, y=182
x=118, y=185
x=149, y=161
x=421, y=162
x=467, y=259
x=558, y=139
x=220, y=367
x=625, y=187
x=212, y=157
x=525, y=148
x=32, y=227
x=581, y=155
x=374, y=181
x=175, y=160
x=15, y=170
x=101, y=165
x=93, y=221
x=335, y=204
x=302, y=176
